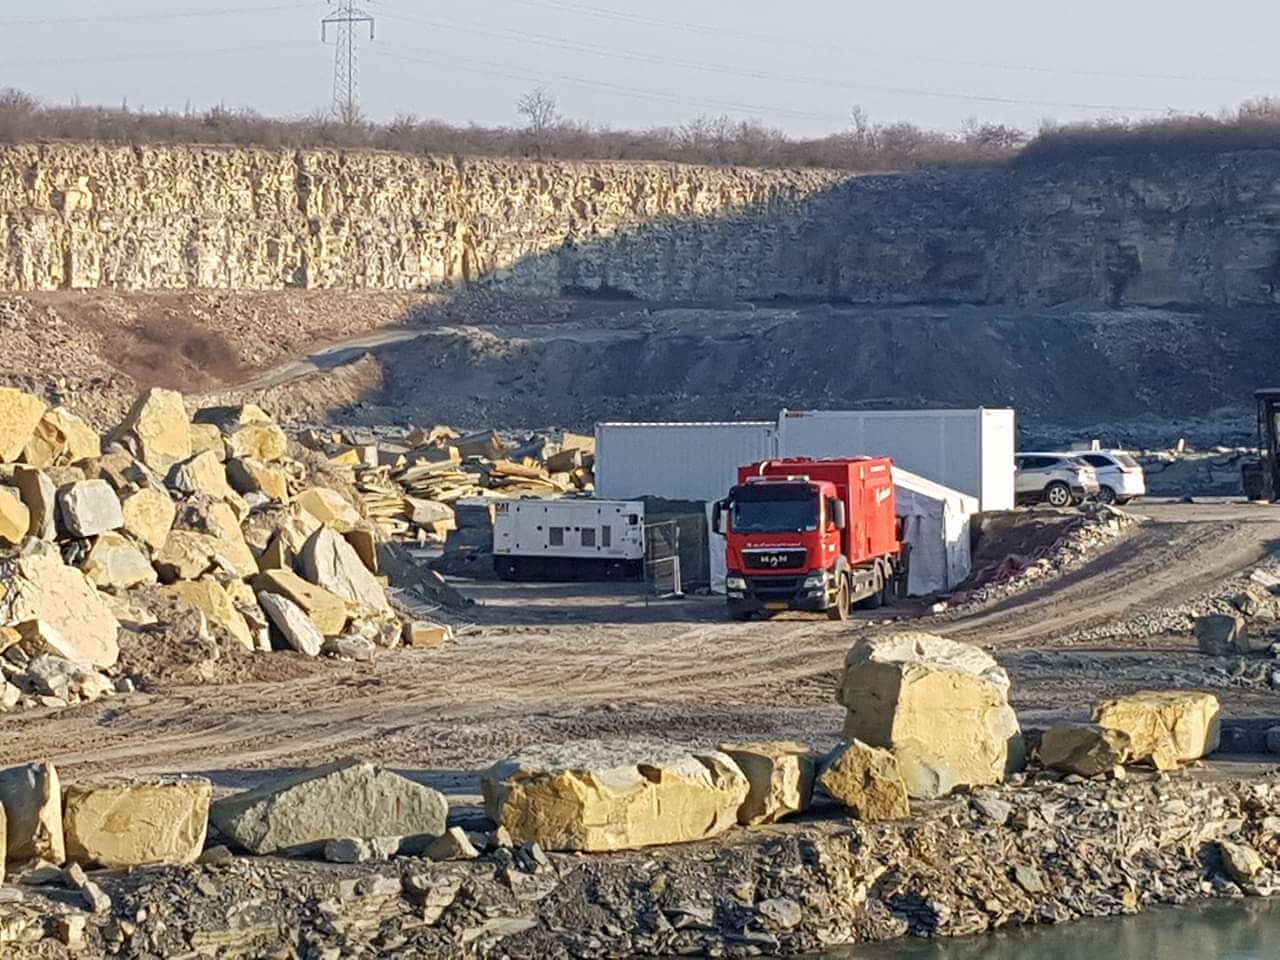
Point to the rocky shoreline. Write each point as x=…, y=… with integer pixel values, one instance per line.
x=1042, y=849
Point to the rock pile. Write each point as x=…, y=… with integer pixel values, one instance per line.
x=207, y=514
x=1097, y=527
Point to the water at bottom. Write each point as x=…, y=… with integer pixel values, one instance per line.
x=1236, y=930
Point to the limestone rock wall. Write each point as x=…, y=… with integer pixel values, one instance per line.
x=1201, y=230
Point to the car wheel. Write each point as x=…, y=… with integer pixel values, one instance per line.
x=841, y=609
x=1107, y=495
x=1058, y=494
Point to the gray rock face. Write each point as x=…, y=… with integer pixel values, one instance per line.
x=294, y=625
x=89, y=508
x=296, y=815
x=1217, y=634
x=329, y=561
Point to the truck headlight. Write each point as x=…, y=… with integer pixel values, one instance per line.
x=815, y=580
x=735, y=583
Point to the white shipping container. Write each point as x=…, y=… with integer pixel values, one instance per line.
x=967, y=450
x=677, y=461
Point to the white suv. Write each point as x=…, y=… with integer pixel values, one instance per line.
x=1059, y=479
x=1120, y=477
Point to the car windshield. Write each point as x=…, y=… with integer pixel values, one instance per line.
x=1125, y=460
x=778, y=510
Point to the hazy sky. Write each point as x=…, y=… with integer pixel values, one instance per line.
x=800, y=65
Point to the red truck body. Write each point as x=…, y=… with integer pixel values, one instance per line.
x=816, y=535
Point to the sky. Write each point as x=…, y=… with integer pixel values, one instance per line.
x=800, y=65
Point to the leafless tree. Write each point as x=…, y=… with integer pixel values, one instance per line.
x=540, y=110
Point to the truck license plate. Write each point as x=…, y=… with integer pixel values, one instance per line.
x=775, y=605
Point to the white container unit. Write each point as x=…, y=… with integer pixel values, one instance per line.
x=967, y=450
x=569, y=539
x=677, y=461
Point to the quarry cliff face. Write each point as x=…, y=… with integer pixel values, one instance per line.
x=1201, y=230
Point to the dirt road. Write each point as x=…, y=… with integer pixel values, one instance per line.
x=557, y=663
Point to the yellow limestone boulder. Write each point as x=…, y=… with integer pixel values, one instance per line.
x=156, y=429
x=1086, y=749
x=15, y=518
x=327, y=611
x=148, y=516
x=207, y=438
x=258, y=441
x=247, y=475
x=203, y=473
x=19, y=414
x=1167, y=727
x=780, y=774
x=61, y=438
x=329, y=507
x=32, y=804
x=133, y=823
x=614, y=795
x=867, y=781
x=114, y=561
x=940, y=706
x=79, y=624
x=215, y=603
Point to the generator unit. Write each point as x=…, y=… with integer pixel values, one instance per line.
x=569, y=539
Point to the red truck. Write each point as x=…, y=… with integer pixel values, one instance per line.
x=817, y=535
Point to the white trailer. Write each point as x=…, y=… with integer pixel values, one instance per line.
x=966, y=450
x=677, y=461
x=568, y=539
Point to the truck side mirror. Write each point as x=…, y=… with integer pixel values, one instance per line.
x=718, y=511
x=838, y=516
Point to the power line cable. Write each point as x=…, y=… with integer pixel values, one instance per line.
x=504, y=70
x=137, y=17
x=537, y=39
x=151, y=55
x=846, y=49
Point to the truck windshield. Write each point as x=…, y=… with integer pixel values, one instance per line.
x=777, y=510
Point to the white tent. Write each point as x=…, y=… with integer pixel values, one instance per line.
x=935, y=522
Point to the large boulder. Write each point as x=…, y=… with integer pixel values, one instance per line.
x=15, y=518
x=619, y=795
x=32, y=802
x=1084, y=748
x=1166, y=727
x=247, y=475
x=89, y=508
x=1218, y=634
x=292, y=624
x=297, y=814
x=114, y=562
x=218, y=519
x=39, y=587
x=203, y=473
x=329, y=561
x=19, y=414
x=156, y=429
x=866, y=781
x=329, y=507
x=258, y=441
x=41, y=499
x=939, y=705
x=326, y=610
x=187, y=555
x=133, y=823
x=61, y=438
x=148, y=515
x=779, y=776
x=213, y=601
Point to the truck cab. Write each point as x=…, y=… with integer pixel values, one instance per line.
x=814, y=535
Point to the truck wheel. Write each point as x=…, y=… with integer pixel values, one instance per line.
x=875, y=599
x=1107, y=495
x=840, y=611
x=1058, y=494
